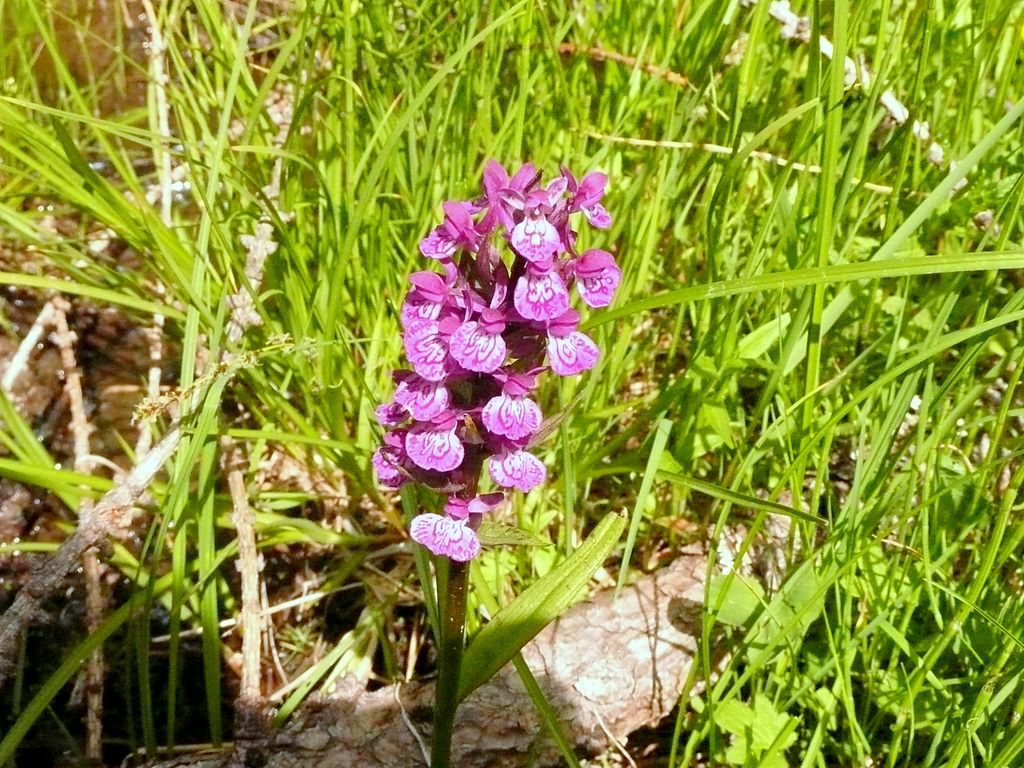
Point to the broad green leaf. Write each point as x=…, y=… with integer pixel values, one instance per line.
x=548, y=715
x=789, y=614
x=520, y=621
x=715, y=417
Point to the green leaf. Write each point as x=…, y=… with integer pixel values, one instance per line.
x=937, y=264
x=71, y=665
x=663, y=428
x=669, y=471
x=492, y=534
x=761, y=340
x=736, y=599
x=715, y=417
x=760, y=733
x=520, y=621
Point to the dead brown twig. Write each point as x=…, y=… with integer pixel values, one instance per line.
x=718, y=149
x=602, y=54
x=104, y=519
x=250, y=710
x=95, y=602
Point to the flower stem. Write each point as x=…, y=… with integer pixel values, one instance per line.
x=453, y=628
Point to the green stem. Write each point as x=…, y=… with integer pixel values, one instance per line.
x=453, y=628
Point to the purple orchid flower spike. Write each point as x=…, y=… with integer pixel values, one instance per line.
x=479, y=334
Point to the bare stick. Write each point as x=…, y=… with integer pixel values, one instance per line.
x=250, y=698
x=602, y=54
x=718, y=149
x=160, y=114
x=105, y=518
x=95, y=602
x=20, y=360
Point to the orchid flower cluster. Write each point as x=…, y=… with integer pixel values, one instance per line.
x=477, y=335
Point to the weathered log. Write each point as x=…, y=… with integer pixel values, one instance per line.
x=608, y=666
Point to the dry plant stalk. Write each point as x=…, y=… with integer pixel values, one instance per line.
x=95, y=601
x=158, y=85
x=250, y=709
x=602, y=54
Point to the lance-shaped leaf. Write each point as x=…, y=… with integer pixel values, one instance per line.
x=520, y=621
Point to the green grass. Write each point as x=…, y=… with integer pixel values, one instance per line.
x=782, y=339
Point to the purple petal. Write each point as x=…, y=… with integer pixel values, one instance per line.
x=517, y=469
x=524, y=177
x=460, y=508
x=541, y=296
x=437, y=245
x=445, y=536
x=555, y=190
x=485, y=502
x=391, y=414
x=590, y=190
x=426, y=349
x=386, y=463
x=414, y=309
x=459, y=222
x=430, y=285
x=475, y=349
x=425, y=400
x=597, y=216
x=536, y=238
x=571, y=354
x=432, y=447
x=597, y=277
x=519, y=384
x=570, y=180
x=516, y=418
x=495, y=178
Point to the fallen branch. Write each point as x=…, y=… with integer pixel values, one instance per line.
x=105, y=519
